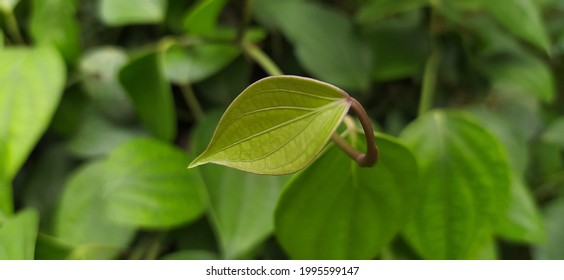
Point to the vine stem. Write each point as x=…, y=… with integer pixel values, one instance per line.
x=192, y=101
x=13, y=28
x=367, y=159
x=370, y=157
x=262, y=59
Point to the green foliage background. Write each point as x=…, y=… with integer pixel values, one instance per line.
x=104, y=103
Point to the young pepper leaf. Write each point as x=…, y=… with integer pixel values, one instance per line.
x=277, y=125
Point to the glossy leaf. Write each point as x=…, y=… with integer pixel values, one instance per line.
x=32, y=84
x=554, y=133
x=100, y=68
x=143, y=79
x=193, y=64
x=522, y=18
x=60, y=31
x=553, y=249
x=150, y=187
x=122, y=12
x=277, y=125
x=337, y=210
x=83, y=220
x=378, y=9
x=18, y=235
x=465, y=173
x=241, y=203
x=343, y=59
x=202, y=19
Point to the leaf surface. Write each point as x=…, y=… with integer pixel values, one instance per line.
x=123, y=12
x=465, y=174
x=18, y=235
x=277, y=125
x=32, y=82
x=337, y=210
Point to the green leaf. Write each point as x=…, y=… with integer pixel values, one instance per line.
x=50, y=248
x=324, y=41
x=554, y=133
x=191, y=255
x=553, y=249
x=18, y=235
x=150, y=187
x=100, y=68
x=97, y=136
x=123, y=12
x=400, y=50
x=378, y=9
x=83, y=220
x=524, y=73
x=522, y=18
x=465, y=173
x=6, y=199
x=337, y=210
x=193, y=64
x=7, y=6
x=143, y=79
x=202, y=19
x=44, y=181
x=32, y=82
x=60, y=31
x=277, y=125
x=522, y=221
x=241, y=204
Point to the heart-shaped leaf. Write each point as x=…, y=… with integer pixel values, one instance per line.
x=465, y=173
x=337, y=210
x=277, y=125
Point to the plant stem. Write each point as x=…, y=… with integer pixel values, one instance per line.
x=12, y=27
x=192, y=101
x=431, y=66
x=244, y=23
x=262, y=59
x=370, y=158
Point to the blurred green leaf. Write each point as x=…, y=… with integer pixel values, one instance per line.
x=150, y=187
x=554, y=133
x=202, y=18
x=32, y=84
x=278, y=125
x=83, y=220
x=193, y=64
x=191, y=255
x=522, y=18
x=6, y=203
x=553, y=249
x=337, y=210
x=18, y=235
x=50, y=248
x=123, y=12
x=99, y=68
x=400, y=50
x=143, y=79
x=524, y=73
x=324, y=41
x=241, y=204
x=44, y=181
x=465, y=173
x=378, y=9
x=97, y=137
x=53, y=23
x=522, y=221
